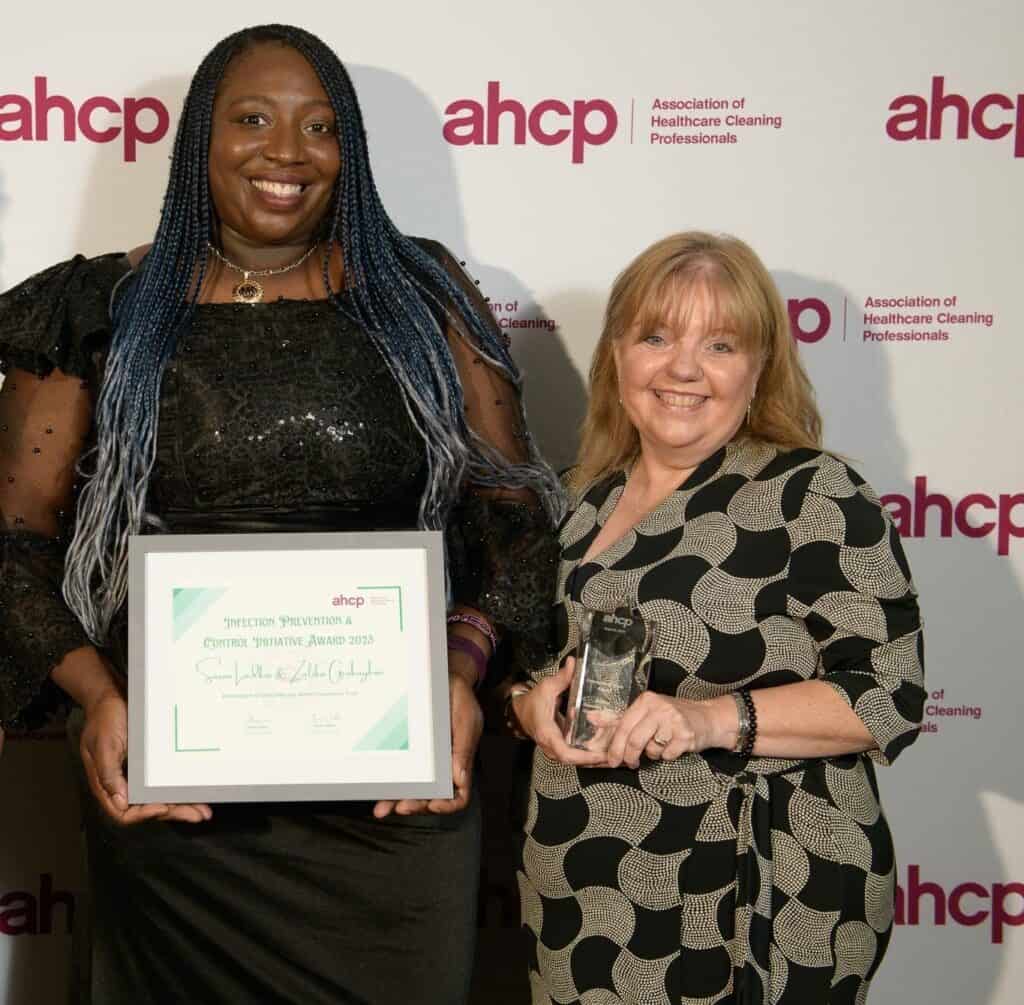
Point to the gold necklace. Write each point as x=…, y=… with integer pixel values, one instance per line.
x=248, y=290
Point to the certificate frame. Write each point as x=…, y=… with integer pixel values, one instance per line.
x=157, y=773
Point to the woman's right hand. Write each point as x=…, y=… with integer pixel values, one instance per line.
x=537, y=713
x=104, y=747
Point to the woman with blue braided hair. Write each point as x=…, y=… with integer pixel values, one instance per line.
x=280, y=358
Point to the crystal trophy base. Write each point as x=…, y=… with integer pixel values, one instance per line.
x=612, y=666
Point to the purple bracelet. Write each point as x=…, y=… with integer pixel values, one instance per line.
x=473, y=651
x=478, y=623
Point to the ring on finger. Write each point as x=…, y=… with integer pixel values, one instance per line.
x=662, y=741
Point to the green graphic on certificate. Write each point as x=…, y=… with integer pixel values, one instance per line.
x=392, y=732
x=190, y=604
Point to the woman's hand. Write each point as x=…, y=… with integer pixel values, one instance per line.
x=665, y=728
x=537, y=713
x=104, y=747
x=467, y=725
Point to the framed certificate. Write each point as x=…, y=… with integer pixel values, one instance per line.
x=272, y=667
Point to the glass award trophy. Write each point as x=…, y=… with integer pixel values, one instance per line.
x=613, y=662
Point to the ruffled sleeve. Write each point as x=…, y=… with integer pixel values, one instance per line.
x=57, y=318
x=849, y=582
x=502, y=548
x=52, y=327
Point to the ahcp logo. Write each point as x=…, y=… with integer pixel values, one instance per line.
x=28, y=117
x=809, y=318
x=968, y=904
x=35, y=912
x=993, y=116
x=975, y=515
x=550, y=122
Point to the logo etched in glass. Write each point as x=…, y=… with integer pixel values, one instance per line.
x=612, y=667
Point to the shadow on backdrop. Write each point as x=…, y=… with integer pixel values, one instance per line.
x=417, y=180
x=5, y=200
x=937, y=781
x=121, y=205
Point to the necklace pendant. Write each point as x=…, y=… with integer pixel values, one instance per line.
x=248, y=291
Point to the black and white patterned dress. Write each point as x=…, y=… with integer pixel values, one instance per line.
x=714, y=878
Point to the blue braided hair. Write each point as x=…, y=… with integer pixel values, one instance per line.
x=392, y=286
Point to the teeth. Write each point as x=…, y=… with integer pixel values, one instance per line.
x=276, y=187
x=681, y=400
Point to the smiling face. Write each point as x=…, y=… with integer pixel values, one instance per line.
x=274, y=156
x=686, y=381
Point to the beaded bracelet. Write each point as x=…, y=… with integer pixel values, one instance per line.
x=459, y=644
x=746, y=736
x=475, y=621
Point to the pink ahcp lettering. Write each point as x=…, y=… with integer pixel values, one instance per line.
x=550, y=122
x=342, y=601
x=30, y=118
x=809, y=318
x=967, y=904
x=926, y=118
x=26, y=912
x=975, y=515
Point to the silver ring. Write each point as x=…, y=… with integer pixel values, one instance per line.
x=660, y=742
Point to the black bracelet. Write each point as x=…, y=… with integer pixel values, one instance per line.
x=748, y=741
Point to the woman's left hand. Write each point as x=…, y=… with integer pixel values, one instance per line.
x=663, y=728
x=467, y=725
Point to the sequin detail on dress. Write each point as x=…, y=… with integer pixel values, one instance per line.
x=280, y=415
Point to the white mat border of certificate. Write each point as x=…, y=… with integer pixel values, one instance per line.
x=429, y=719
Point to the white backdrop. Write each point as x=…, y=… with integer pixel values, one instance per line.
x=873, y=154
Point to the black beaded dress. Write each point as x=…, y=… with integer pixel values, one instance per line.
x=279, y=416
x=716, y=879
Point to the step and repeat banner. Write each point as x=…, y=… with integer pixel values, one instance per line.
x=872, y=154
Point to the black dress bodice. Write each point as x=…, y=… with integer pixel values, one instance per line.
x=276, y=410
x=276, y=416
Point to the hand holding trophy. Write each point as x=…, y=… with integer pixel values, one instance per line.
x=613, y=663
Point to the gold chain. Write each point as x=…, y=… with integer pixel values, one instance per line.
x=249, y=291
x=260, y=273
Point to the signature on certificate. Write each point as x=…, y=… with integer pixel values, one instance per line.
x=235, y=673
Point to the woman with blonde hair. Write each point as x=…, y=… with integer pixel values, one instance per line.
x=728, y=845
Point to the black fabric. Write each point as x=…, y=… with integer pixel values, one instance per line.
x=281, y=416
x=274, y=414
x=272, y=904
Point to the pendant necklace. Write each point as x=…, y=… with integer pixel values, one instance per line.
x=248, y=290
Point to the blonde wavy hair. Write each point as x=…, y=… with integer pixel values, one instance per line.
x=654, y=290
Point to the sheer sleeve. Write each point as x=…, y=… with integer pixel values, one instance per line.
x=49, y=328
x=501, y=543
x=850, y=584
x=43, y=425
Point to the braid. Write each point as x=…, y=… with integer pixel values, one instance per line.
x=392, y=287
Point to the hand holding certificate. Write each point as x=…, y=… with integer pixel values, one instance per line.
x=288, y=667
